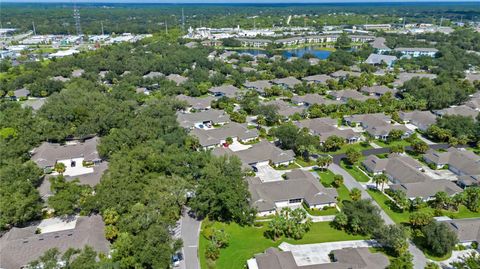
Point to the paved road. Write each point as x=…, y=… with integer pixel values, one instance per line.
x=338, y=157
x=190, y=231
x=419, y=259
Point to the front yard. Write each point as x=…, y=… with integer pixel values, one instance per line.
x=357, y=146
x=247, y=241
x=354, y=171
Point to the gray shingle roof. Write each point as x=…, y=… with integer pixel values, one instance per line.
x=214, y=136
x=462, y=110
x=347, y=258
x=188, y=120
x=379, y=58
x=467, y=230
x=377, y=90
x=421, y=119
x=402, y=169
x=345, y=95
x=298, y=185
x=312, y=98
x=263, y=151
x=285, y=109
x=47, y=154
x=198, y=103
x=259, y=85
x=176, y=78
x=326, y=127
x=21, y=93
x=464, y=161
x=290, y=82
x=229, y=91
x=20, y=246
x=317, y=78
x=427, y=189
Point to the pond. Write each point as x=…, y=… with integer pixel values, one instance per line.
x=320, y=53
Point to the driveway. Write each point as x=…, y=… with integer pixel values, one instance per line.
x=311, y=254
x=190, y=231
x=456, y=256
x=237, y=146
x=266, y=173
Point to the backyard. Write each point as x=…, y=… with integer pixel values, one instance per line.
x=354, y=171
x=326, y=178
x=403, y=217
x=247, y=241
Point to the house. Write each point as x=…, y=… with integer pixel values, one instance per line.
x=326, y=127
x=377, y=90
x=152, y=75
x=20, y=246
x=379, y=59
x=216, y=137
x=285, y=109
x=460, y=161
x=178, y=79
x=472, y=77
x=256, y=43
x=404, y=77
x=467, y=230
x=197, y=103
x=461, y=110
x=344, y=74
x=287, y=83
x=400, y=169
x=77, y=73
x=317, y=79
x=427, y=189
x=377, y=26
x=20, y=94
x=474, y=103
x=421, y=119
x=60, y=78
x=311, y=99
x=78, y=156
x=290, y=41
x=142, y=90
x=377, y=125
x=346, y=258
x=229, y=91
x=379, y=45
x=35, y=104
x=262, y=153
x=258, y=86
x=299, y=187
x=345, y=95
x=203, y=119
x=417, y=52
x=468, y=180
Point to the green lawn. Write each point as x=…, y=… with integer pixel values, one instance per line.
x=321, y=212
x=245, y=242
x=303, y=163
x=326, y=178
x=289, y=167
x=354, y=171
x=403, y=217
x=385, y=144
x=357, y=146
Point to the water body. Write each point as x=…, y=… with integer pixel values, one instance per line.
x=320, y=53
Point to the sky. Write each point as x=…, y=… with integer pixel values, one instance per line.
x=228, y=1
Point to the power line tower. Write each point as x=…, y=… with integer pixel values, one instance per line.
x=183, y=20
x=76, y=17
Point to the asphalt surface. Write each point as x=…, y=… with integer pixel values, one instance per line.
x=190, y=231
x=419, y=259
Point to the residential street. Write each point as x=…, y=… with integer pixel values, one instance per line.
x=419, y=259
x=190, y=231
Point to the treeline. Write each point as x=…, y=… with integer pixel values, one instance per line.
x=53, y=18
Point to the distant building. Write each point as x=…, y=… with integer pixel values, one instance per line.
x=256, y=43
x=378, y=59
x=204, y=119
x=377, y=26
x=416, y=52
x=229, y=91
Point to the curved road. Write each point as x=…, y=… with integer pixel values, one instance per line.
x=419, y=259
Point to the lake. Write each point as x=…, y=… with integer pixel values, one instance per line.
x=316, y=51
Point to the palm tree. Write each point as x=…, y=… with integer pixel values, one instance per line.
x=380, y=179
x=60, y=168
x=355, y=194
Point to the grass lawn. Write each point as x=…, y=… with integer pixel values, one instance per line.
x=326, y=178
x=403, y=217
x=355, y=172
x=248, y=241
x=357, y=146
x=321, y=212
x=303, y=163
x=289, y=167
x=385, y=144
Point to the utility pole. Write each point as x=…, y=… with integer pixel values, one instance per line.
x=103, y=33
x=441, y=21
x=166, y=27
x=34, y=31
x=254, y=24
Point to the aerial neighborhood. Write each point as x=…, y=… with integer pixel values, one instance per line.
x=307, y=140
